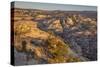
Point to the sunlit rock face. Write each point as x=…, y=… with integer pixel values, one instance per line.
x=56, y=26
x=42, y=36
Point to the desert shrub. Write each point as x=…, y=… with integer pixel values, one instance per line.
x=22, y=28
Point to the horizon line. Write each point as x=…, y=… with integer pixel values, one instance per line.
x=52, y=6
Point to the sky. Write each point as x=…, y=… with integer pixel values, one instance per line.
x=52, y=6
